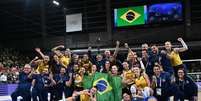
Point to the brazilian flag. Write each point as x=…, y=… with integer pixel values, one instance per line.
x=104, y=89
x=103, y=86
x=130, y=16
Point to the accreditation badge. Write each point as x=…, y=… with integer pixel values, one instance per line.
x=158, y=91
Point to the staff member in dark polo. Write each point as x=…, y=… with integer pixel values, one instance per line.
x=24, y=86
x=42, y=84
x=161, y=84
x=63, y=83
x=187, y=87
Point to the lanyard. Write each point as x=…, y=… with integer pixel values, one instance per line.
x=160, y=83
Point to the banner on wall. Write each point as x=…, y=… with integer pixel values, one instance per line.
x=74, y=22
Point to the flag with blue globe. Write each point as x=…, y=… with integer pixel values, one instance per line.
x=102, y=85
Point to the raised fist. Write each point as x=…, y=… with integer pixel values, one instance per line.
x=180, y=39
x=37, y=49
x=126, y=45
x=89, y=48
x=36, y=58
x=117, y=43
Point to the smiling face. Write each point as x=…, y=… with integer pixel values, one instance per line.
x=85, y=57
x=145, y=46
x=62, y=71
x=125, y=65
x=27, y=69
x=180, y=73
x=107, y=64
x=107, y=53
x=157, y=70
x=168, y=45
x=114, y=70
x=56, y=58
x=82, y=70
x=67, y=52
x=93, y=90
x=126, y=97
x=154, y=49
x=99, y=57
x=46, y=59
x=93, y=69
x=136, y=71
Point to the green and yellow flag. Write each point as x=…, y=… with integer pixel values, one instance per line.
x=116, y=83
x=130, y=16
x=104, y=89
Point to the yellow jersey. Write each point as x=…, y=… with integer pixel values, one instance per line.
x=87, y=65
x=141, y=82
x=42, y=66
x=84, y=97
x=78, y=80
x=175, y=58
x=128, y=75
x=64, y=60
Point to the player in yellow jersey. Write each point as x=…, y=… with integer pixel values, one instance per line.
x=141, y=79
x=41, y=63
x=141, y=89
x=173, y=54
x=65, y=57
x=86, y=63
x=128, y=75
x=78, y=79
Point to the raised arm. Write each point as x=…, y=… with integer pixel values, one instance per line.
x=57, y=47
x=129, y=50
x=36, y=58
x=56, y=51
x=183, y=48
x=116, y=49
x=91, y=58
x=39, y=51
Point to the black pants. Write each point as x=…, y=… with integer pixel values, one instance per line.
x=26, y=95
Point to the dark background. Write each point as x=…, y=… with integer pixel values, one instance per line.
x=26, y=24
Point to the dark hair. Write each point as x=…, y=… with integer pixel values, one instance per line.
x=126, y=91
x=182, y=70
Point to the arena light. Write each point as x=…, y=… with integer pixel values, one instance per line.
x=55, y=2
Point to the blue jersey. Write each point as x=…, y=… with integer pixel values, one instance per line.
x=165, y=62
x=187, y=87
x=61, y=81
x=24, y=82
x=41, y=80
x=161, y=59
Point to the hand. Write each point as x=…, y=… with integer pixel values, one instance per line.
x=117, y=43
x=163, y=52
x=75, y=94
x=68, y=83
x=31, y=89
x=139, y=59
x=36, y=58
x=37, y=49
x=89, y=48
x=126, y=45
x=180, y=39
